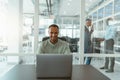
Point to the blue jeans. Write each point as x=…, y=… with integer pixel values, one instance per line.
x=88, y=59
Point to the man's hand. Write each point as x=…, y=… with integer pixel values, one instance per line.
x=92, y=29
x=100, y=39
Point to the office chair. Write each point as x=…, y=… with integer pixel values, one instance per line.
x=62, y=38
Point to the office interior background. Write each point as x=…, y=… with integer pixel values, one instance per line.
x=24, y=23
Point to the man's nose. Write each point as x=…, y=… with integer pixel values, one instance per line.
x=53, y=34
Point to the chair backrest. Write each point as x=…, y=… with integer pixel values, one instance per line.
x=45, y=38
x=62, y=38
x=54, y=66
x=72, y=41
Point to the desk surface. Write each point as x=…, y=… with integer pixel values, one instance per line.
x=80, y=72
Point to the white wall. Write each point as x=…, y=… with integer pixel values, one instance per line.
x=13, y=26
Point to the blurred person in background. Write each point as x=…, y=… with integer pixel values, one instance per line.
x=87, y=37
x=109, y=45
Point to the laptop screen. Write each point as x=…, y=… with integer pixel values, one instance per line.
x=54, y=66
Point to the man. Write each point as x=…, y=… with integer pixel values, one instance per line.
x=54, y=45
x=87, y=38
x=109, y=45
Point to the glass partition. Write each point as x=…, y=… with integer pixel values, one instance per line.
x=109, y=9
x=94, y=16
x=116, y=6
x=100, y=13
x=117, y=39
x=28, y=26
x=66, y=16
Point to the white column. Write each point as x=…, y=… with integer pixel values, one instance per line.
x=12, y=30
x=82, y=23
x=20, y=29
x=36, y=25
x=20, y=25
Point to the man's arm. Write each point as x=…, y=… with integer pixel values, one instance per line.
x=92, y=29
x=40, y=49
x=100, y=39
x=113, y=31
x=67, y=49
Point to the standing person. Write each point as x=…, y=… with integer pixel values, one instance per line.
x=54, y=45
x=87, y=38
x=109, y=45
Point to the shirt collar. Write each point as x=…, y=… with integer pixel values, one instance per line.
x=52, y=43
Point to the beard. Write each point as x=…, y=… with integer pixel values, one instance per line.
x=54, y=40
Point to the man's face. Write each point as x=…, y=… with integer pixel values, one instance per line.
x=53, y=33
x=88, y=23
x=111, y=22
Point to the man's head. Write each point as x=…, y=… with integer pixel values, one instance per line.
x=110, y=21
x=53, y=33
x=88, y=22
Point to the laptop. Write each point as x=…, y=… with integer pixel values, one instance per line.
x=54, y=66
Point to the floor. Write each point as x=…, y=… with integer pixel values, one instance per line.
x=4, y=68
x=99, y=62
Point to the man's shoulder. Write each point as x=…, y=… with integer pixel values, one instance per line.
x=63, y=42
x=43, y=43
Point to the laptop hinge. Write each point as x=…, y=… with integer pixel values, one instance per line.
x=53, y=77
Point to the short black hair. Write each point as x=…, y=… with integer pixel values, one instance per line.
x=88, y=19
x=108, y=19
x=54, y=25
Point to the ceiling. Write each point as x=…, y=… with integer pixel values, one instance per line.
x=69, y=7
x=58, y=7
